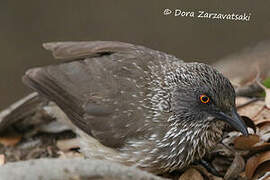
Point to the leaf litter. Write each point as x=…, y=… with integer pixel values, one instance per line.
x=237, y=157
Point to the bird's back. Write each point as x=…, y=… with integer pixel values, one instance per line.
x=110, y=90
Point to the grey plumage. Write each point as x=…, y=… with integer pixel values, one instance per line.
x=136, y=105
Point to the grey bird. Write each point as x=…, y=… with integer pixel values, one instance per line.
x=138, y=106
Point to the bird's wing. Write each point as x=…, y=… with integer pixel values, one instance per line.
x=102, y=89
x=74, y=50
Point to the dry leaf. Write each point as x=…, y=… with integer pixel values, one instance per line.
x=246, y=142
x=266, y=137
x=236, y=167
x=191, y=174
x=70, y=154
x=241, y=100
x=264, y=127
x=262, y=146
x=67, y=144
x=221, y=150
x=10, y=140
x=2, y=159
x=251, y=142
x=254, y=162
x=206, y=174
x=262, y=118
x=242, y=175
x=255, y=110
x=264, y=131
x=262, y=170
x=221, y=164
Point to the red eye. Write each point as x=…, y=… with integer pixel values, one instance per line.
x=204, y=99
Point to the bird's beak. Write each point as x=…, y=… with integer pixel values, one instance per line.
x=234, y=120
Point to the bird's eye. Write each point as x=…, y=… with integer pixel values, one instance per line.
x=204, y=99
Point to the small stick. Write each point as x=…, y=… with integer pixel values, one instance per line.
x=247, y=103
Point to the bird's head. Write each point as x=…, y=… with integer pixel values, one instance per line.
x=201, y=93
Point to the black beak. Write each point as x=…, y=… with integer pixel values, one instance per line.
x=234, y=120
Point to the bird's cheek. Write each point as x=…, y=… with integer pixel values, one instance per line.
x=210, y=118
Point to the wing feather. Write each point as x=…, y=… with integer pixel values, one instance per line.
x=102, y=89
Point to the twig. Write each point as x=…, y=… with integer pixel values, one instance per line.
x=248, y=90
x=247, y=103
x=252, y=88
x=20, y=109
x=76, y=168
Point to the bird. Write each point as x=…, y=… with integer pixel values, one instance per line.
x=137, y=106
